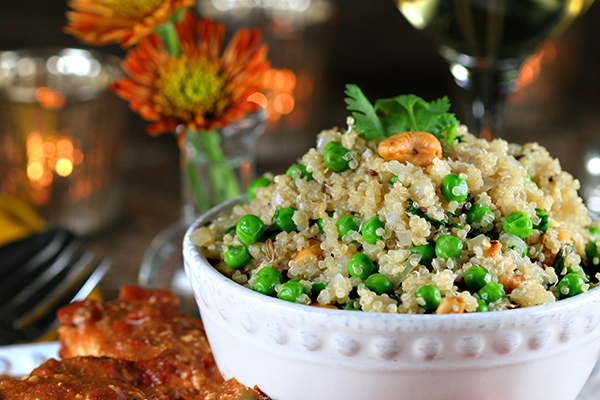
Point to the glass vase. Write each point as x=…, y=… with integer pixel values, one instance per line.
x=215, y=166
x=218, y=165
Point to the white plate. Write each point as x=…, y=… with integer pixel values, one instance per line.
x=21, y=359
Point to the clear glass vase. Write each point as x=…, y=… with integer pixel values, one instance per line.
x=215, y=167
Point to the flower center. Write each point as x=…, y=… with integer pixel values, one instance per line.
x=133, y=9
x=188, y=86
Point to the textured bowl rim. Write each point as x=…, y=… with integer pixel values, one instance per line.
x=198, y=262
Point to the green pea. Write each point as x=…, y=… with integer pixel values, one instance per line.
x=228, y=230
x=263, y=181
x=393, y=180
x=476, y=277
x=431, y=295
x=481, y=306
x=570, y=285
x=236, y=256
x=346, y=224
x=319, y=223
x=361, y=266
x=332, y=144
x=427, y=252
x=283, y=219
x=316, y=288
x=291, y=291
x=320, y=220
x=592, y=253
x=250, y=229
x=454, y=188
x=448, y=246
x=369, y=230
x=300, y=171
x=379, y=283
x=270, y=233
x=480, y=214
x=544, y=223
x=266, y=285
x=577, y=270
x=518, y=223
x=270, y=271
x=335, y=159
x=491, y=292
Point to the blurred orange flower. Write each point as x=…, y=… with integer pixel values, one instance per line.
x=199, y=88
x=100, y=22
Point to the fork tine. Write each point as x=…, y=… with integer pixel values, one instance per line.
x=41, y=302
x=32, y=289
x=21, y=277
x=47, y=320
x=15, y=255
x=93, y=280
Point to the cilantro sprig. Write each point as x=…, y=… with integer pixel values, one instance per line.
x=399, y=114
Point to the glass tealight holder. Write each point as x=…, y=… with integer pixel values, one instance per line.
x=60, y=133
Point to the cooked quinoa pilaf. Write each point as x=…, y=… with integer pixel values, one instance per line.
x=489, y=226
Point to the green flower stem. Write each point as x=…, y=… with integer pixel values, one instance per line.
x=222, y=176
x=222, y=181
x=168, y=34
x=200, y=197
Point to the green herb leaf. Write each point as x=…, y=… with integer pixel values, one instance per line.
x=400, y=114
x=413, y=209
x=559, y=261
x=367, y=122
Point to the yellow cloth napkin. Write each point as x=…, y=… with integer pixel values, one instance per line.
x=17, y=219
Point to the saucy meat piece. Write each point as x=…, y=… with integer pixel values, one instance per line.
x=169, y=348
x=78, y=378
x=233, y=390
x=105, y=378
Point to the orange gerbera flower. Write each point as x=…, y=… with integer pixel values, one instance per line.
x=199, y=88
x=100, y=22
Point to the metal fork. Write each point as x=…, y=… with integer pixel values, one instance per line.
x=58, y=273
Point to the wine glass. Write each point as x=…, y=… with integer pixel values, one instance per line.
x=486, y=41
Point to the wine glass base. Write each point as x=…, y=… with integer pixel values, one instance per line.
x=488, y=82
x=162, y=267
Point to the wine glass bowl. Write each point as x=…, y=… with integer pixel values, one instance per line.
x=486, y=41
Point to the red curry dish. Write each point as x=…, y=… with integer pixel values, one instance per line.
x=105, y=378
x=144, y=326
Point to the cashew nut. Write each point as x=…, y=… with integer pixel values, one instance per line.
x=417, y=148
x=313, y=250
x=511, y=281
x=564, y=236
x=495, y=247
x=451, y=305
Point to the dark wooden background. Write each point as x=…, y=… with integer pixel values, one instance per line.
x=364, y=42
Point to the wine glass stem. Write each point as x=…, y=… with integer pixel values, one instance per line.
x=488, y=89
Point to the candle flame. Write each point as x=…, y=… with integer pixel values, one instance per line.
x=52, y=155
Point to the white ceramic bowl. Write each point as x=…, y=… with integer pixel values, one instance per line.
x=297, y=352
